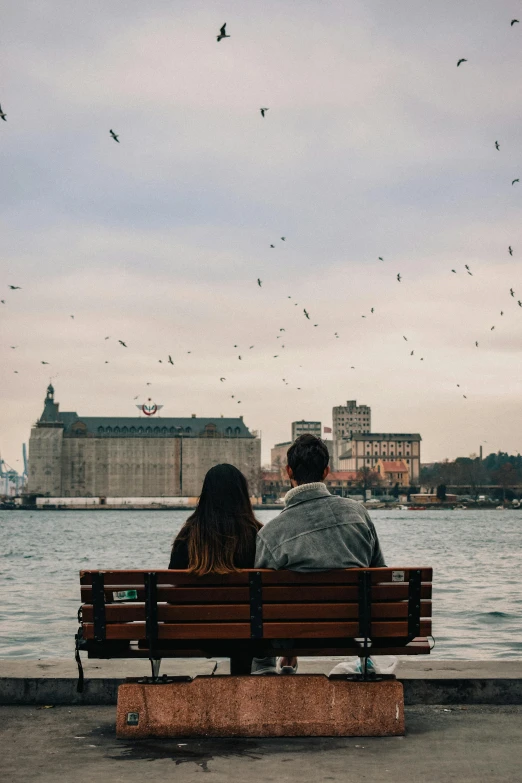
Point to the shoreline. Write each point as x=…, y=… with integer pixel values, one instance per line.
x=53, y=681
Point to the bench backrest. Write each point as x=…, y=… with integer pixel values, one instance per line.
x=390, y=605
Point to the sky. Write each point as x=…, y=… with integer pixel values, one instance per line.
x=375, y=144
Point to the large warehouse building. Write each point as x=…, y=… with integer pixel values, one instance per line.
x=74, y=456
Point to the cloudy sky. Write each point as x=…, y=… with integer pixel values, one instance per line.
x=375, y=144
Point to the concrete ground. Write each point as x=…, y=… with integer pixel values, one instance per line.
x=473, y=744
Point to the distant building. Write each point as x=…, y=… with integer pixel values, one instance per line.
x=341, y=482
x=393, y=472
x=303, y=427
x=347, y=420
x=109, y=456
x=366, y=449
x=278, y=454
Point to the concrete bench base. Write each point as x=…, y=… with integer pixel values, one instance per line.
x=249, y=706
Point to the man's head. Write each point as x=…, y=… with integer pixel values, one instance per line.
x=307, y=460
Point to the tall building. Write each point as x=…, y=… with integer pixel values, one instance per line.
x=278, y=454
x=367, y=449
x=347, y=420
x=303, y=427
x=109, y=456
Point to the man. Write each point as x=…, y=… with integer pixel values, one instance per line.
x=316, y=531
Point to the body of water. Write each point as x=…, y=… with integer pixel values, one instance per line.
x=475, y=556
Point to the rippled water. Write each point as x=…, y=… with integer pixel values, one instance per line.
x=475, y=556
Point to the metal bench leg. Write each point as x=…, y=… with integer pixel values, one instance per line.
x=155, y=665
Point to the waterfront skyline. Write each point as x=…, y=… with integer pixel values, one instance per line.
x=374, y=145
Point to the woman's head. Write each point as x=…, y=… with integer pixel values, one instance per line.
x=223, y=526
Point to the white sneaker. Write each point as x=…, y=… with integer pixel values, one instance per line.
x=267, y=670
x=286, y=669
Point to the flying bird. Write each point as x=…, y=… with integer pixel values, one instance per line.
x=467, y=267
x=283, y=239
x=492, y=328
x=2, y=115
x=470, y=273
x=114, y=136
x=501, y=312
x=372, y=310
x=222, y=379
x=411, y=354
x=259, y=282
x=265, y=108
x=160, y=361
x=3, y=301
x=464, y=396
x=276, y=356
x=251, y=346
x=497, y=145
x=476, y=345
x=510, y=250
x=272, y=245
x=519, y=303
x=44, y=362
x=170, y=359
x=514, y=21
x=14, y=347
x=239, y=357
x=304, y=311
x=511, y=292
x=282, y=329
x=462, y=60
x=515, y=180
x=399, y=278
x=222, y=33
x=15, y=288
x=454, y=270
x=136, y=397
x=122, y=343
x=404, y=338
x=108, y=338
x=381, y=258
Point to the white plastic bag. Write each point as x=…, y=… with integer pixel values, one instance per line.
x=380, y=664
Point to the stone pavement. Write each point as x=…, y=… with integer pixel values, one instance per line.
x=473, y=744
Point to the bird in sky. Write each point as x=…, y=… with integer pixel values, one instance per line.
x=372, y=310
x=148, y=383
x=259, y=282
x=251, y=346
x=464, y=396
x=282, y=329
x=276, y=356
x=160, y=361
x=470, y=273
x=283, y=239
x=510, y=250
x=519, y=303
x=15, y=288
x=458, y=384
x=189, y=351
x=15, y=372
x=2, y=115
x=399, y=278
x=222, y=33
x=108, y=337
x=316, y=324
x=14, y=347
x=106, y=362
x=511, y=292
x=44, y=362
x=411, y=354
x=381, y=258
x=2, y=301
x=305, y=312
x=404, y=338
x=515, y=180
x=272, y=245
x=497, y=145
x=114, y=136
x=239, y=402
x=462, y=60
x=514, y=21
x=265, y=108
x=363, y=316
x=136, y=397
x=170, y=359
x=122, y=343
x=476, y=345
x=492, y=328
x=467, y=267
x=222, y=379
x=454, y=270
x=72, y=316
x=501, y=312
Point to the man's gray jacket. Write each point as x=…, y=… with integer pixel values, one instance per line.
x=318, y=531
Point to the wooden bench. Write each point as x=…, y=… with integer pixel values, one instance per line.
x=174, y=614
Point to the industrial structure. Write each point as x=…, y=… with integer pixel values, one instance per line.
x=86, y=457
x=367, y=450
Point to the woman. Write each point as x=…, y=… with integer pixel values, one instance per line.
x=220, y=536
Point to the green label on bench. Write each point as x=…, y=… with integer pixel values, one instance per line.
x=125, y=595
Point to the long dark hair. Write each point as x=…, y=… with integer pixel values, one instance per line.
x=222, y=529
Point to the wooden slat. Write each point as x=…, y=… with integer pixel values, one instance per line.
x=341, y=576
x=413, y=648
x=271, y=630
x=289, y=594
x=132, y=612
